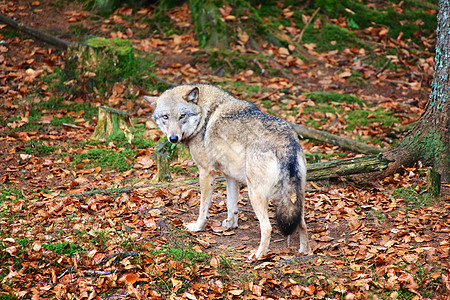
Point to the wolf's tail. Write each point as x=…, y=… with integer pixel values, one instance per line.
x=289, y=209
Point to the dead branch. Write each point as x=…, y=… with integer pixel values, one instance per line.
x=348, y=166
x=323, y=136
x=37, y=34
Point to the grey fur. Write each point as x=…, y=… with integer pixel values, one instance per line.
x=234, y=136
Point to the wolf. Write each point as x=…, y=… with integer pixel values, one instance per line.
x=233, y=136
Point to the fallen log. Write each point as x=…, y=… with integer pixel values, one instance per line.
x=323, y=136
x=347, y=166
x=40, y=35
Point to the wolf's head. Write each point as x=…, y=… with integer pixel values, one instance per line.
x=176, y=112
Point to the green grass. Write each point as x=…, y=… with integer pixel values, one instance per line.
x=183, y=254
x=107, y=159
x=412, y=198
x=7, y=194
x=361, y=118
x=65, y=248
x=412, y=20
x=40, y=149
x=328, y=97
x=4, y=296
x=328, y=102
x=332, y=37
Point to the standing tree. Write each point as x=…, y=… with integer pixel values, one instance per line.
x=429, y=140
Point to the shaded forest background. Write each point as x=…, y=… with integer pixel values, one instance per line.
x=84, y=218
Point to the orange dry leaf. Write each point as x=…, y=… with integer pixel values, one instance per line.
x=130, y=279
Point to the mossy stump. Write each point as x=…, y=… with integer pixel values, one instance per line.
x=112, y=122
x=162, y=167
x=100, y=63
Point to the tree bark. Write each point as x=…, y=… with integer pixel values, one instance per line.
x=209, y=28
x=349, y=166
x=429, y=140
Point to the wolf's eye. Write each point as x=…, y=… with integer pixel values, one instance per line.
x=182, y=116
x=165, y=117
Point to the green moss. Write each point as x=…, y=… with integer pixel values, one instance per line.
x=332, y=37
x=4, y=296
x=40, y=149
x=7, y=194
x=65, y=248
x=327, y=102
x=78, y=30
x=183, y=254
x=108, y=159
x=318, y=157
x=361, y=118
x=328, y=97
x=411, y=21
x=412, y=198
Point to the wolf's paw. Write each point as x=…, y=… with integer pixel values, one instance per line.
x=233, y=223
x=252, y=256
x=305, y=249
x=194, y=227
x=255, y=255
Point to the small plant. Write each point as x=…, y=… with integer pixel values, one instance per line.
x=7, y=194
x=40, y=149
x=412, y=198
x=65, y=248
x=8, y=297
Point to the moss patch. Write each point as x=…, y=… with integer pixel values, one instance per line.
x=108, y=159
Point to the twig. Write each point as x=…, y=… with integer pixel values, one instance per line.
x=383, y=67
x=127, y=189
x=72, y=126
x=300, y=36
x=96, y=272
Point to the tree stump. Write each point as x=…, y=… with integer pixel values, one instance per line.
x=162, y=163
x=112, y=122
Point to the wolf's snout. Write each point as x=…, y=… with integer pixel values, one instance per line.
x=173, y=139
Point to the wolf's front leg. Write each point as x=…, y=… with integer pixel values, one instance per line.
x=206, y=189
x=232, y=203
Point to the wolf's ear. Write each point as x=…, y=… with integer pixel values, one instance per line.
x=151, y=100
x=192, y=96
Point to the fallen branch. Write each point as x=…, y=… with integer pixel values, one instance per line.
x=348, y=166
x=300, y=36
x=323, y=136
x=37, y=34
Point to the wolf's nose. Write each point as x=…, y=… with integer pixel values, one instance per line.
x=173, y=139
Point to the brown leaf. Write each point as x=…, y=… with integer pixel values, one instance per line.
x=214, y=262
x=130, y=278
x=256, y=289
x=176, y=284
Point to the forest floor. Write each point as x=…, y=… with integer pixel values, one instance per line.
x=84, y=219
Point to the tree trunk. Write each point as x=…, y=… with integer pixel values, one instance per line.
x=210, y=30
x=429, y=140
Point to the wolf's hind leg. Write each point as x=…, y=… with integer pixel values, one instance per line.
x=260, y=205
x=304, y=241
x=206, y=190
x=232, y=203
